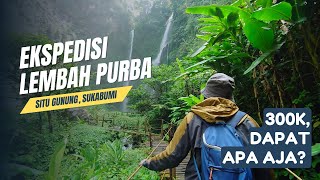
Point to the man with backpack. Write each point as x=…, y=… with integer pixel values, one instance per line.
x=214, y=123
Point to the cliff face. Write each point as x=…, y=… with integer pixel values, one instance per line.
x=63, y=20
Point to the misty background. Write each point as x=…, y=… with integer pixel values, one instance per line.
x=136, y=28
x=62, y=20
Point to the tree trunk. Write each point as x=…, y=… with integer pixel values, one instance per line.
x=49, y=121
x=40, y=123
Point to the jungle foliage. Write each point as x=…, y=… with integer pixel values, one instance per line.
x=269, y=47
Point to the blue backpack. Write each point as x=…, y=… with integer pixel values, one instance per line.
x=216, y=136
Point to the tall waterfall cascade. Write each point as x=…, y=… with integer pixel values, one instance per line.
x=164, y=41
x=127, y=83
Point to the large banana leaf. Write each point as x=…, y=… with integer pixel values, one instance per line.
x=55, y=161
x=315, y=149
x=280, y=11
x=263, y=57
x=213, y=10
x=257, y=32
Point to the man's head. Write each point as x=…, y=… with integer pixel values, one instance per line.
x=219, y=85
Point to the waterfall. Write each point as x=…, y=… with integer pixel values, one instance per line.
x=131, y=44
x=164, y=41
x=127, y=83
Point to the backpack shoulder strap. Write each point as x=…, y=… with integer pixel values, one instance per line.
x=236, y=118
x=196, y=166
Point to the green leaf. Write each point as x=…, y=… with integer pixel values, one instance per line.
x=315, y=162
x=211, y=42
x=204, y=46
x=198, y=64
x=219, y=37
x=259, y=36
x=264, y=3
x=213, y=58
x=194, y=99
x=89, y=153
x=205, y=37
x=211, y=29
x=238, y=3
x=227, y=9
x=204, y=10
x=219, y=13
x=263, y=57
x=182, y=70
x=188, y=100
x=203, y=86
x=315, y=149
x=238, y=55
x=201, y=97
x=213, y=10
x=280, y=11
x=258, y=61
x=210, y=20
x=55, y=161
x=232, y=17
x=316, y=124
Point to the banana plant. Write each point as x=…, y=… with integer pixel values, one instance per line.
x=55, y=162
x=227, y=29
x=315, y=149
x=192, y=100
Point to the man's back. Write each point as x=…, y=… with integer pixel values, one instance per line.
x=218, y=106
x=188, y=136
x=207, y=113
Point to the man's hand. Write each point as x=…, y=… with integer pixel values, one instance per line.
x=144, y=162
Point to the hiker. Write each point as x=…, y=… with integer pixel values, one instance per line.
x=218, y=107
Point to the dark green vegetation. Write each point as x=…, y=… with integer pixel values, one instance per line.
x=78, y=150
x=272, y=51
